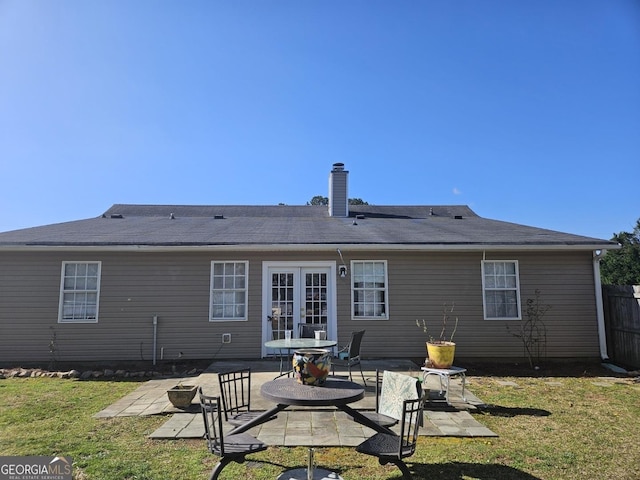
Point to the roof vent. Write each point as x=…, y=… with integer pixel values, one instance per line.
x=172, y=216
x=116, y=215
x=218, y=217
x=360, y=217
x=458, y=217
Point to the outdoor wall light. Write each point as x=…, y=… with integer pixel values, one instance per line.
x=342, y=270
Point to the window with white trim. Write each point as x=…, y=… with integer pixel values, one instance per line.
x=228, y=290
x=79, y=292
x=369, y=289
x=501, y=288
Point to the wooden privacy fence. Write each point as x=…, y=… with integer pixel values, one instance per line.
x=622, y=323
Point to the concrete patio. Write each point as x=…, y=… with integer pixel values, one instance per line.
x=299, y=426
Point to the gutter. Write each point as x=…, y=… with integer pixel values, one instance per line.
x=602, y=334
x=312, y=247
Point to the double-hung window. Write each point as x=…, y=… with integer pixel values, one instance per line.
x=229, y=290
x=79, y=292
x=369, y=289
x=501, y=287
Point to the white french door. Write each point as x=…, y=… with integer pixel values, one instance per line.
x=296, y=293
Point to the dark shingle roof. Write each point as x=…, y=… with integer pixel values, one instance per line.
x=182, y=225
x=271, y=211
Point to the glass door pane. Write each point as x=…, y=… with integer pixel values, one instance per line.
x=282, y=303
x=315, y=298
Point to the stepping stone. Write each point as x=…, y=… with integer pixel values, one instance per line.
x=602, y=384
x=180, y=425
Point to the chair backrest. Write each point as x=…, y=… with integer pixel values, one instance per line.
x=235, y=389
x=212, y=418
x=412, y=411
x=354, y=344
x=396, y=388
x=307, y=330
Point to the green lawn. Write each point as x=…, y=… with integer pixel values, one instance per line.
x=575, y=430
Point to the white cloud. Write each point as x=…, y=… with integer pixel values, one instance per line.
x=456, y=191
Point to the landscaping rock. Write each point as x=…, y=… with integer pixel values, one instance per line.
x=20, y=372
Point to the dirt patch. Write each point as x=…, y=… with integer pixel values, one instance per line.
x=551, y=368
x=521, y=368
x=499, y=368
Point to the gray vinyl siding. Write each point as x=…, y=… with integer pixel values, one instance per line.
x=134, y=288
x=175, y=286
x=419, y=285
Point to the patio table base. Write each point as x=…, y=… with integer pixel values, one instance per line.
x=309, y=473
x=301, y=474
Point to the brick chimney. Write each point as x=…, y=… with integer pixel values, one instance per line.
x=338, y=196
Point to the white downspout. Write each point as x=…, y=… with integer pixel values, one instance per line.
x=155, y=337
x=597, y=255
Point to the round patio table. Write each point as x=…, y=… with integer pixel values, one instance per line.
x=297, y=343
x=288, y=391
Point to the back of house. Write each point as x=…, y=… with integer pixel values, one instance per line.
x=162, y=282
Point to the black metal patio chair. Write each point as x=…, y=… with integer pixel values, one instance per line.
x=308, y=330
x=230, y=448
x=395, y=448
x=235, y=390
x=391, y=389
x=349, y=356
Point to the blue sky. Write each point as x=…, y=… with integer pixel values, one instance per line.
x=528, y=111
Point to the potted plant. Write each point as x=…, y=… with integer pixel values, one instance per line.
x=440, y=351
x=181, y=395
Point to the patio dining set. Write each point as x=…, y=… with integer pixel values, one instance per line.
x=400, y=402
